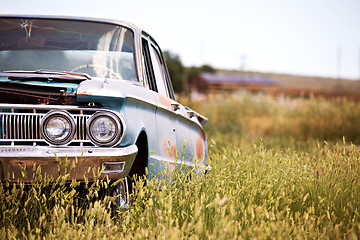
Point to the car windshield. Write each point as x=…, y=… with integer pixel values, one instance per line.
x=98, y=49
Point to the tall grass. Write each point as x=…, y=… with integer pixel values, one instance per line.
x=48, y=204
x=263, y=184
x=266, y=116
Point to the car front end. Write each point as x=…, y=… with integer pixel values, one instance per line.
x=42, y=135
x=42, y=62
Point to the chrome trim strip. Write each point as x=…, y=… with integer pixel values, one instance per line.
x=177, y=162
x=50, y=107
x=69, y=151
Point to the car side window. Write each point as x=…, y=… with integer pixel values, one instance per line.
x=156, y=76
x=149, y=72
x=159, y=72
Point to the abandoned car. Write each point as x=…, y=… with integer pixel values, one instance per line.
x=93, y=90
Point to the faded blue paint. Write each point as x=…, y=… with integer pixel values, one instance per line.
x=172, y=135
x=175, y=135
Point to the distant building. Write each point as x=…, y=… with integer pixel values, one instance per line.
x=229, y=82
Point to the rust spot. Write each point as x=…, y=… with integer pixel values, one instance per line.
x=83, y=93
x=168, y=148
x=164, y=100
x=199, y=148
x=170, y=165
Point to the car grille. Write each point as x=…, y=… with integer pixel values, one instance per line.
x=20, y=124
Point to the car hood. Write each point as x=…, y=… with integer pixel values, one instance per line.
x=29, y=88
x=68, y=86
x=37, y=91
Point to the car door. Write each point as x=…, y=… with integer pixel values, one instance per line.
x=180, y=139
x=162, y=146
x=191, y=147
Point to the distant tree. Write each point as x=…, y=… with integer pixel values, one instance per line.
x=207, y=68
x=176, y=70
x=179, y=74
x=193, y=72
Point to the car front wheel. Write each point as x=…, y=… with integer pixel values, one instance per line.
x=121, y=191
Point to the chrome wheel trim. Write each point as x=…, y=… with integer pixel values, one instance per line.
x=122, y=193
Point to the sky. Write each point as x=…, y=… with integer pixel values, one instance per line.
x=306, y=37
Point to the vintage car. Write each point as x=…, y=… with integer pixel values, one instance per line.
x=92, y=90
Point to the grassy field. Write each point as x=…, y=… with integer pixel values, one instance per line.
x=281, y=168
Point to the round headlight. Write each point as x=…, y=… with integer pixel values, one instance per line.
x=58, y=128
x=104, y=129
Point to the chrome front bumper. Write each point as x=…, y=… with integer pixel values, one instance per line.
x=115, y=162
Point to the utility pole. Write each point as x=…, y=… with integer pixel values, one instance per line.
x=359, y=74
x=338, y=85
x=242, y=66
x=339, y=62
x=185, y=79
x=243, y=63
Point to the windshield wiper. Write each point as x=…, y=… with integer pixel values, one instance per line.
x=20, y=75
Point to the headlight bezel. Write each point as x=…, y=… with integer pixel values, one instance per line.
x=62, y=115
x=118, y=123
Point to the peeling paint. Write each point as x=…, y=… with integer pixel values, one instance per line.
x=165, y=100
x=168, y=148
x=169, y=165
x=200, y=148
x=84, y=92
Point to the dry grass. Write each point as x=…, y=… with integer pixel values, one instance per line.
x=289, y=184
